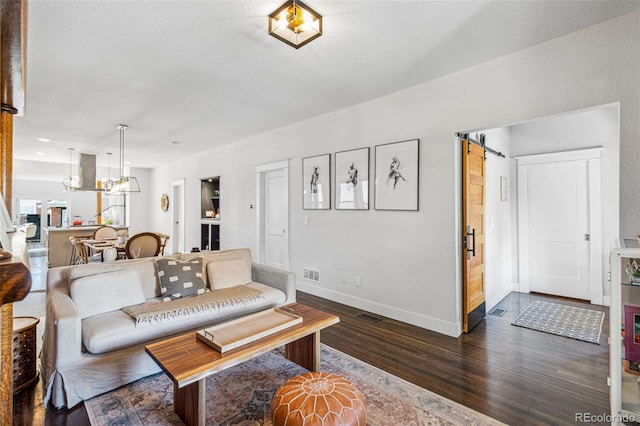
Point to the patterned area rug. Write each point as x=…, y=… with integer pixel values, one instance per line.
x=562, y=320
x=242, y=395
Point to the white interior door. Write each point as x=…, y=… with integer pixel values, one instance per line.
x=273, y=214
x=557, y=221
x=177, y=206
x=276, y=217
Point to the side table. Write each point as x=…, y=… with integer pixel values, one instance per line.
x=24, y=352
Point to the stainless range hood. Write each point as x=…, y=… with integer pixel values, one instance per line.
x=87, y=180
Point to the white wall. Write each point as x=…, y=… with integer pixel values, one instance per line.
x=140, y=204
x=499, y=256
x=407, y=260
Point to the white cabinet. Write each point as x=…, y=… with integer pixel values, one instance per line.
x=625, y=337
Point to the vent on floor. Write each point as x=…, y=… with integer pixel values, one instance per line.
x=498, y=312
x=369, y=318
x=311, y=274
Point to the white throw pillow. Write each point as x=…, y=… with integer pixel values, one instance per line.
x=229, y=269
x=106, y=292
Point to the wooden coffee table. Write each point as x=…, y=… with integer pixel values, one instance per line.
x=188, y=361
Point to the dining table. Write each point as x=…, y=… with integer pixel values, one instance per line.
x=98, y=246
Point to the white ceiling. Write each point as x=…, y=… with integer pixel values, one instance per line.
x=206, y=73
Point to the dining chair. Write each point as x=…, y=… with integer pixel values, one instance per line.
x=163, y=242
x=80, y=254
x=105, y=232
x=144, y=244
x=78, y=251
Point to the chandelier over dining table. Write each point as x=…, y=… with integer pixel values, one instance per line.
x=122, y=184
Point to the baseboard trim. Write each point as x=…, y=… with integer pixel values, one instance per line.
x=419, y=320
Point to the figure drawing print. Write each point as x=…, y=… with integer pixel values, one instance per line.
x=352, y=179
x=316, y=182
x=397, y=175
x=352, y=174
x=394, y=172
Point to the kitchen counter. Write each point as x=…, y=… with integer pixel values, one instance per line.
x=58, y=245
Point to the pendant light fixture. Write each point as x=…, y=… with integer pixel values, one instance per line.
x=123, y=184
x=70, y=183
x=295, y=23
x=107, y=183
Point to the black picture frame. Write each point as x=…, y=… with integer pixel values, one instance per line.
x=351, y=179
x=397, y=175
x=316, y=182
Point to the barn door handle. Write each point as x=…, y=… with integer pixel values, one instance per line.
x=470, y=233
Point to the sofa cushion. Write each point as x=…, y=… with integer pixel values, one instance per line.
x=116, y=330
x=106, y=292
x=146, y=268
x=228, y=269
x=180, y=278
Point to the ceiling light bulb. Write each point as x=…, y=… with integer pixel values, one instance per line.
x=294, y=18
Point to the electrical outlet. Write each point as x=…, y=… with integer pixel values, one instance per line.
x=344, y=278
x=357, y=282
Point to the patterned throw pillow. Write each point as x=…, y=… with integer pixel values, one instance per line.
x=180, y=278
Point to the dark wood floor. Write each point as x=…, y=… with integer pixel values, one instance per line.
x=515, y=375
x=518, y=376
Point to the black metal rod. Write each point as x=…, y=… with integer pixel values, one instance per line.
x=486, y=148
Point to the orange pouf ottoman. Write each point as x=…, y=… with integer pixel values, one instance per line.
x=314, y=399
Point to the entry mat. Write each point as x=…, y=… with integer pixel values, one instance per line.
x=562, y=320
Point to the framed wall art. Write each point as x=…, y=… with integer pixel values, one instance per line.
x=316, y=182
x=352, y=179
x=396, y=178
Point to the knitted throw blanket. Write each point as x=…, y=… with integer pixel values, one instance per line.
x=159, y=312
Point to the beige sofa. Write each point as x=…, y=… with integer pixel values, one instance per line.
x=101, y=316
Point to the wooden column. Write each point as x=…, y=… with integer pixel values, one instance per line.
x=6, y=310
x=15, y=279
x=6, y=157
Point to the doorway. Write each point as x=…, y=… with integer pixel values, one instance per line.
x=561, y=133
x=41, y=213
x=177, y=216
x=272, y=183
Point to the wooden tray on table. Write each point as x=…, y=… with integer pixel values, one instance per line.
x=238, y=332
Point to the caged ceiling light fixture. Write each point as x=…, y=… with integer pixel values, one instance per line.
x=295, y=23
x=123, y=184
